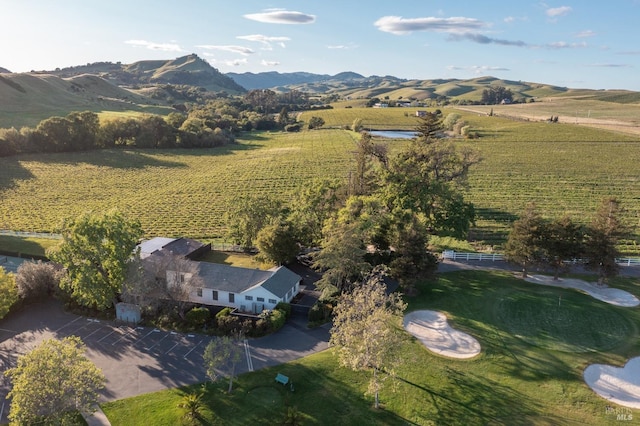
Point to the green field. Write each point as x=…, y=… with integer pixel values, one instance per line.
x=562, y=167
x=513, y=381
x=173, y=193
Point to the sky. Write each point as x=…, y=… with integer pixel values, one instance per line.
x=569, y=43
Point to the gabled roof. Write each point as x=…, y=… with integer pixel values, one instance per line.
x=281, y=281
x=155, y=244
x=176, y=246
x=183, y=246
x=278, y=281
x=229, y=278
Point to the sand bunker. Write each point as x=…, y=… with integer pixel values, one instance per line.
x=432, y=329
x=614, y=296
x=619, y=385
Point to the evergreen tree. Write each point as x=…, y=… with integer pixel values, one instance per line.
x=524, y=245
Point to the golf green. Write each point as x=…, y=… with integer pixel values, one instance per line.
x=563, y=320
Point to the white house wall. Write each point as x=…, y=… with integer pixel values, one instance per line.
x=269, y=300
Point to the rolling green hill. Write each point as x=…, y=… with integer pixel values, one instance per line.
x=26, y=99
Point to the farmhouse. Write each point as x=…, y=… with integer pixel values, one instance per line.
x=248, y=290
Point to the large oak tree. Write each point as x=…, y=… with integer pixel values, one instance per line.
x=96, y=250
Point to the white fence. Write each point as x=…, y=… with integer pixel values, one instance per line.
x=495, y=257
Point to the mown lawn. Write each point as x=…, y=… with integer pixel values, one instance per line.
x=515, y=380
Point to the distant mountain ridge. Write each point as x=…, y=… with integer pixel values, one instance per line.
x=272, y=79
x=186, y=70
x=163, y=86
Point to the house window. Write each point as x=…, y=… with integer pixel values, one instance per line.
x=182, y=278
x=273, y=301
x=260, y=299
x=232, y=298
x=248, y=298
x=199, y=292
x=214, y=294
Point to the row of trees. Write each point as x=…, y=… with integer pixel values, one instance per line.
x=212, y=123
x=555, y=243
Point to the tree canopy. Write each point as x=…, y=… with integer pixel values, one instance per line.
x=524, y=243
x=363, y=333
x=221, y=357
x=96, y=250
x=603, y=236
x=52, y=381
x=8, y=292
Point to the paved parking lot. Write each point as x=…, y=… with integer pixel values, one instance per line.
x=137, y=360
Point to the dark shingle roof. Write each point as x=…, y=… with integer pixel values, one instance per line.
x=183, y=246
x=237, y=280
x=230, y=278
x=281, y=281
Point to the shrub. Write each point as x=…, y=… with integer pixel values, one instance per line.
x=451, y=120
x=229, y=324
x=36, y=280
x=8, y=292
x=198, y=317
x=284, y=307
x=223, y=313
x=320, y=312
x=277, y=319
x=292, y=127
x=316, y=313
x=357, y=125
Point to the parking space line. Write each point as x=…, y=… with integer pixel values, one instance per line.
x=247, y=351
x=155, y=330
x=126, y=333
x=104, y=337
x=192, y=349
x=93, y=332
x=166, y=335
x=67, y=324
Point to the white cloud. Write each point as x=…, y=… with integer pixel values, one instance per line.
x=477, y=69
x=269, y=63
x=554, y=12
x=264, y=39
x=399, y=25
x=282, y=17
x=565, y=45
x=482, y=39
x=228, y=48
x=611, y=65
x=585, y=33
x=342, y=46
x=165, y=47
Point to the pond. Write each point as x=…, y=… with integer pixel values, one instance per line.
x=393, y=134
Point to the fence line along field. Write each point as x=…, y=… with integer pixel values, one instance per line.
x=562, y=167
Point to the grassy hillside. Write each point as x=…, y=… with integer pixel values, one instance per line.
x=26, y=99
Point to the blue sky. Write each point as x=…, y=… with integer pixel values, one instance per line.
x=577, y=44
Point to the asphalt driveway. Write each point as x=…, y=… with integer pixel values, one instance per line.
x=137, y=360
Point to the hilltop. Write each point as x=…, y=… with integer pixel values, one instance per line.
x=186, y=70
x=162, y=86
x=145, y=86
